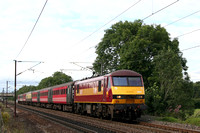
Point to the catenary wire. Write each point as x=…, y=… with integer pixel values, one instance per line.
x=182, y=18
x=187, y=33
x=107, y=23
x=159, y=10
x=32, y=30
x=191, y=48
x=121, y=14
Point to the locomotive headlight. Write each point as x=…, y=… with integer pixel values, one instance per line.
x=139, y=97
x=119, y=97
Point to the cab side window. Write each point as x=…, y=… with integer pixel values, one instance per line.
x=77, y=87
x=109, y=84
x=99, y=86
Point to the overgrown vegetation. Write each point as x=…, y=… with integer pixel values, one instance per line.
x=193, y=119
x=5, y=117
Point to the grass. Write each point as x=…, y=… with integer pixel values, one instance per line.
x=193, y=120
x=169, y=119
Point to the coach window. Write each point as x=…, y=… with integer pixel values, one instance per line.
x=77, y=88
x=99, y=86
x=109, y=85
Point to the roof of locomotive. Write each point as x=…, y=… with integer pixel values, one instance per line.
x=124, y=73
x=116, y=73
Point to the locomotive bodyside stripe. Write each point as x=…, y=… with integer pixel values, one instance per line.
x=89, y=91
x=126, y=90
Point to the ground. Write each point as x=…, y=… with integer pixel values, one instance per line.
x=26, y=122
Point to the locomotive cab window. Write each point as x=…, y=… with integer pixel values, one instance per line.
x=127, y=81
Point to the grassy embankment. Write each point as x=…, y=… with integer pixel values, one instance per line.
x=194, y=119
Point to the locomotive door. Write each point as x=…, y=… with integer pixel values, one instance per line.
x=105, y=88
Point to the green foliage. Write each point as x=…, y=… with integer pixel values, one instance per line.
x=196, y=90
x=154, y=100
x=56, y=79
x=193, y=121
x=6, y=117
x=25, y=89
x=133, y=46
x=169, y=119
x=2, y=107
x=197, y=103
x=148, y=49
x=196, y=113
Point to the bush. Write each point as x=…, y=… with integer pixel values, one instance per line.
x=197, y=103
x=169, y=119
x=193, y=121
x=2, y=107
x=5, y=117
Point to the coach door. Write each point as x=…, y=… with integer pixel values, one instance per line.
x=38, y=96
x=50, y=95
x=70, y=94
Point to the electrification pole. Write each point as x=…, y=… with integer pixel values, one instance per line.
x=16, y=78
x=15, y=86
x=6, y=92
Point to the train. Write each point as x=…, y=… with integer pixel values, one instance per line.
x=119, y=94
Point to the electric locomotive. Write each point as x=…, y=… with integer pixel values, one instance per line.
x=119, y=94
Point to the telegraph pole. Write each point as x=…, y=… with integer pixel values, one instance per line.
x=6, y=93
x=16, y=78
x=3, y=95
x=15, y=86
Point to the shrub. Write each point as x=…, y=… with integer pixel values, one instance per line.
x=197, y=103
x=193, y=121
x=5, y=117
x=169, y=119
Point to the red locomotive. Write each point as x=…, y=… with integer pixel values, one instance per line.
x=119, y=94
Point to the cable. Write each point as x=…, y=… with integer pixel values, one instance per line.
x=160, y=10
x=121, y=14
x=28, y=69
x=107, y=22
x=191, y=48
x=32, y=29
x=187, y=33
x=182, y=18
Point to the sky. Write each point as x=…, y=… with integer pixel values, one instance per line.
x=67, y=32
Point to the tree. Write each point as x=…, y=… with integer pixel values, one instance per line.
x=133, y=45
x=196, y=94
x=148, y=50
x=56, y=79
x=25, y=89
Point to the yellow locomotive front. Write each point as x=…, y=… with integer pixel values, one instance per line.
x=127, y=94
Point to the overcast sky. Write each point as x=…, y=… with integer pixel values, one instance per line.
x=68, y=31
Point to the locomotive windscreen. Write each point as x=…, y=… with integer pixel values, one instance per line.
x=127, y=81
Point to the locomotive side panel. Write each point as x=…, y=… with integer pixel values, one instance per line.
x=89, y=91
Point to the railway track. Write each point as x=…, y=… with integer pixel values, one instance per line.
x=179, y=130
x=73, y=124
x=89, y=124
